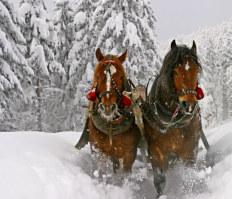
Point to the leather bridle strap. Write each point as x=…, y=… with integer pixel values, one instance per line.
x=187, y=91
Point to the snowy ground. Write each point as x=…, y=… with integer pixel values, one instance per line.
x=47, y=166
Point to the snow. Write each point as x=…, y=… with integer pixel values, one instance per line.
x=132, y=36
x=80, y=19
x=40, y=165
x=7, y=48
x=89, y=73
x=8, y=24
x=118, y=24
x=39, y=57
x=41, y=27
x=7, y=78
x=46, y=165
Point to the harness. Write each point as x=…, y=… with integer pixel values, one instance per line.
x=154, y=115
x=112, y=128
x=157, y=114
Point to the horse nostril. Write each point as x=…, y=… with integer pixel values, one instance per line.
x=101, y=107
x=184, y=104
x=113, y=107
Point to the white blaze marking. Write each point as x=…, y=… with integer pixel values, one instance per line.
x=187, y=67
x=108, y=78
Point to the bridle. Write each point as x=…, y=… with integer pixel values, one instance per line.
x=122, y=100
x=186, y=91
x=107, y=64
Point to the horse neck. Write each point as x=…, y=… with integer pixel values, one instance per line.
x=162, y=94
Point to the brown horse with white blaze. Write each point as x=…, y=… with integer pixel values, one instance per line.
x=111, y=126
x=171, y=113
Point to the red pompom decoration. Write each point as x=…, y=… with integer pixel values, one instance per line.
x=91, y=95
x=126, y=101
x=200, y=93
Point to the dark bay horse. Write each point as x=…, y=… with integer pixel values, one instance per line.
x=111, y=126
x=171, y=113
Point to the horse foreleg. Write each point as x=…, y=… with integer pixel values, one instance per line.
x=159, y=180
x=128, y=161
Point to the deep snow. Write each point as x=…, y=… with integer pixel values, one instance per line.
x=47, y=166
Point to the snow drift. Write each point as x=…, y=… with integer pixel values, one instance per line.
x=44, y=165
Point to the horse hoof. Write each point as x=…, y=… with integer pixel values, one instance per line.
x=159, y=181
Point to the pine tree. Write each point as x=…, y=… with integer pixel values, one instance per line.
x=129, y=24
x=38, y=32
x=14, y=70
x=63, y=22
x=225, y=42
x=82, y=52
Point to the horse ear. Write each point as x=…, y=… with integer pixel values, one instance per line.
x=122, y=58
x=99, y=54
x=173, y=44
x=194, y=48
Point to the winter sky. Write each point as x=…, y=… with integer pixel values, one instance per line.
x=181, y=16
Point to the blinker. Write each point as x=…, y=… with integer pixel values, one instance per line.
x=126, y=101
x=91, y=95
x=200, y=93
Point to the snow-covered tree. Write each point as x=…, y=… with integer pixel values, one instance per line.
x=39, y=34
x=129, y=24
x=63, y=22
x=13, y=66
x=82, y=54
x=224, y=67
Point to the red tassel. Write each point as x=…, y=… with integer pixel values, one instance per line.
x=91, y=95
x=126, y=101
x=200, y=93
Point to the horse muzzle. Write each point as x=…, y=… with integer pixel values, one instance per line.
x=188, y=101
x=109, y=112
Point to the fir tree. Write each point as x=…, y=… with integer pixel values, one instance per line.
x=38, y=31
x=129, y=24
x=63, y=22
x=13, y=66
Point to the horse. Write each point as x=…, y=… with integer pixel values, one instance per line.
x=110, y=125
x=171, y=112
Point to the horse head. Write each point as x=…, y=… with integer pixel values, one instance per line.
x=182, y=69
x=109, y=84
x=185, y=75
